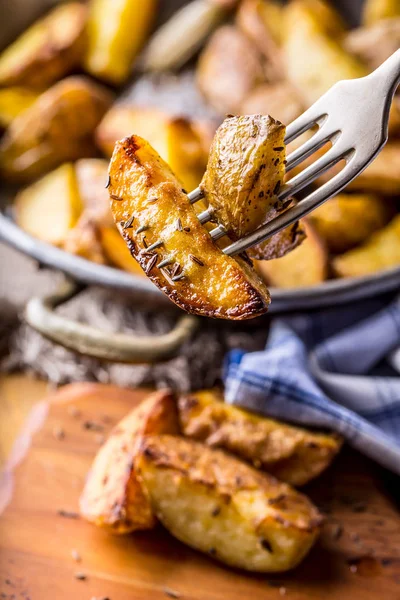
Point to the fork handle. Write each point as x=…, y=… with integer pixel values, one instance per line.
x=388, y=74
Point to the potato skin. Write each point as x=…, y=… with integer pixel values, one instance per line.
x=58, y=127
x=143, y=186
x=48, y=50
x=245, y=172
x=305, y=266
x=349, y=219
x=225, y=78
x=215, y=503
x=292, y=454
x=113, y=497
x=381, y=251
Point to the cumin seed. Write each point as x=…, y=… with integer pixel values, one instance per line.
x=128, y=223
x=196, y=260
x=115, y=197
x=279, y=148
x=176, y=270
x=151, y=264
x=151, y=200
x=178, y=225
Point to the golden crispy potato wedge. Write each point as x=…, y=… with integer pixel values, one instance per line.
x=49, y=208
x=221, y=506
x=117, y=31
x=48, y=50
x=381, y=251
x=376, y=10
x=117, y=252
x=374, y=44
x=92, y=175
x=305, y=266
x=13, y=101
x=292, y=454
x=83, y=240
x=113, y=497
x=226, y=77
x=349, y=219
x=175, y=139
x=280, y=100
x=58, y=127
x=243, y=196
x=261, y=22
x=143, y=188
x=314, y=58
x=281, y=243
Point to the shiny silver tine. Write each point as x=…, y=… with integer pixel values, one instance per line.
x=353, y=116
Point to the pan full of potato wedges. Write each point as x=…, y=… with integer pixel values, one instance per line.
x=173, y=78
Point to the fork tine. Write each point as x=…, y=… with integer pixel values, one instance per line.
x=317, y=141
x=310, y=173
x=304, y=122
x=205, y=216
x=298, y=211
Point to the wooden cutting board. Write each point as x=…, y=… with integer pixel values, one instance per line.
x=47, y=553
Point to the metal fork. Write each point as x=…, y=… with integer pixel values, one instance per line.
x=353, y=116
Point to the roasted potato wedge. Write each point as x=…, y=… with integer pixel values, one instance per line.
x=48, y=50
x=13, y=101
x=58, y=127
x=144, y=188
x=374, y=44
x=280, y=100
x=376, y=10
x=314, y=58
x=117, y=31
x=113, y=497
x=245, y=171
x=221, y=506
x=175, y=139
x=305, y=266
x=225, y=78
x=381, y=251
x=49, y=208
x=292, y=454
x=349, y=219
x=92, y=175
x=281, y=243
x=261, y=22
x=117, y=252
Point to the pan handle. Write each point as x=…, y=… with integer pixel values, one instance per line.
x=40, y=315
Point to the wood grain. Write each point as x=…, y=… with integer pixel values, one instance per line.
x=358, y=556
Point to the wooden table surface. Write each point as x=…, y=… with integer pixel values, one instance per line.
x=47, y=556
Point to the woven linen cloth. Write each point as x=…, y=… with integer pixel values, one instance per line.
x=337, y=369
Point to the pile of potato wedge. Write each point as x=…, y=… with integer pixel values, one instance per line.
x=60, y=119
x=220, y=479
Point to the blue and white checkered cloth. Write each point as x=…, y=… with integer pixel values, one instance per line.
x=337, y=369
